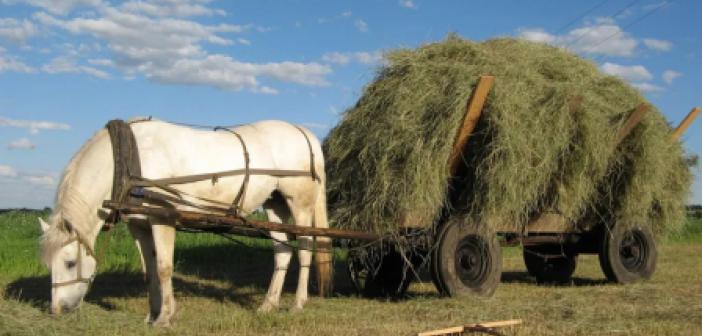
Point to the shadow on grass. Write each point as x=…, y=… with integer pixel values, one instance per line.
x=36, y=291
x=232, y=266
x=525, y=278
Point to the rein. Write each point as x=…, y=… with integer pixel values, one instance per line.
x=79, y=263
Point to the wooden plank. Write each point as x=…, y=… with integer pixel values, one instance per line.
x=446, y=331
x=549, y=222
x=459, y=330
x=473, y=111
x=685, y=123
x=496, y=324
x=218, y=222
x=633, y=120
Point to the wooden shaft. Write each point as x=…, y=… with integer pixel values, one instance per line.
x=196, y=220
x=685, y=123
x=633, y=120
x=473, y=111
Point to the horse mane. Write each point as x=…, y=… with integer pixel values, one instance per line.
x=69, y=205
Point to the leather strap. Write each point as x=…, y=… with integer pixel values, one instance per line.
x=79, y=263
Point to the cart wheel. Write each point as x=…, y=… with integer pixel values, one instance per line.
x=466, y=261
x=384, y=278
x=549, y=263
x=628, y=254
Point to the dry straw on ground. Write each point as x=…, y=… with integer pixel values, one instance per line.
x=544, y=142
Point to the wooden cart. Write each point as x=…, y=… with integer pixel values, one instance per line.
x=462, y=259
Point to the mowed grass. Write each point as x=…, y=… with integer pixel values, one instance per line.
x=219, y=284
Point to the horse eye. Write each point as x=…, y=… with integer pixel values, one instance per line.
x=70, y=264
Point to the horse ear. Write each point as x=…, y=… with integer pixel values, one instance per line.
x=44, y=225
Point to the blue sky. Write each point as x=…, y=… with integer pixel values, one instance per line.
x=68, y=66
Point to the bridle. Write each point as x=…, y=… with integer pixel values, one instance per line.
x=79, y=271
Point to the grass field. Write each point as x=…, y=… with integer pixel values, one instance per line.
x=219, y=285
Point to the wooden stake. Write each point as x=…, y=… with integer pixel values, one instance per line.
x=633, y=120
x=473, y=112
x=685, y=123
x=470, y=327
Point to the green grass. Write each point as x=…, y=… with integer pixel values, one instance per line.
x=219, y=284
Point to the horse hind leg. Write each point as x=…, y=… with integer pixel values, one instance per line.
x=277, y=212
x=302, y=215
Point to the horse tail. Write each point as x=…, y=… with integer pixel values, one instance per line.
x=324, y=252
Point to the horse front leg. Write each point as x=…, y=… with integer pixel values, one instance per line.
x=145, y=244
x=164, y=242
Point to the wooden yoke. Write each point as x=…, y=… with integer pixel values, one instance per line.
x=685, y=124
x=473, y=111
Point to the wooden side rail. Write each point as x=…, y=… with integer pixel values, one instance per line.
x=473, y=111
x=685, y=123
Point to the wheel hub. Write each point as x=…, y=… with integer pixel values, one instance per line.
x=633, y=251
x=472, y=261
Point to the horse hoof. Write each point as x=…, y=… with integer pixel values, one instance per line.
x=161, y=324
x=266, y=307
x=296, y=309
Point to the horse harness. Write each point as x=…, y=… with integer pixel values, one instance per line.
x=79, y=263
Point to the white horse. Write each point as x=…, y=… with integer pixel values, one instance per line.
x=168, y=150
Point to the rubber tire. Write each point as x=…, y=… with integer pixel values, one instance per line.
x=616, y=267
x=448, y=264
x=550, y=270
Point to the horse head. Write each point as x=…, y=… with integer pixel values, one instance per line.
x=71, y=262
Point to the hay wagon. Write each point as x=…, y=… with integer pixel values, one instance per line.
x=461, y=259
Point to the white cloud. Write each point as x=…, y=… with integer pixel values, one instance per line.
x=68, y=65
x=660, y=45
x=15, y=30
x=408, y=4
x=346, y=14
x=633, y=73
x=179, y=8
x=7, y=171
x=43, y=180
x=361, y=25
x=40, y=180
x=23, y=143
x=33, y=126
x=648, y=87
x=343, y=58
x=537, y=35
x=227, y=73
x=603, y=37
x=170, y=50
x=59, y=7
x=9, y=63
x=670, y=75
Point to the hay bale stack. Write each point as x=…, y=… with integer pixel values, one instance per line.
x=543, y=143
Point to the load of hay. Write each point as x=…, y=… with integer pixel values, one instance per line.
x=543, y=143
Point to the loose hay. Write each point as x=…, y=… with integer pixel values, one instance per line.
x=543, y=143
